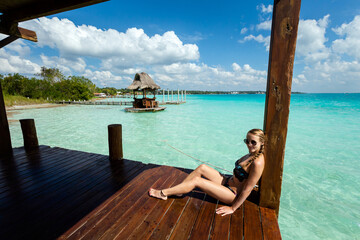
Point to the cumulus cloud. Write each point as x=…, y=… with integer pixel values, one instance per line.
x=350, y=44
x=16, y=64
x=243, y=30
x=325, y=69
x=265, y=9
x=202, y=76
x=115, y=48
x=311, y=39
x=65, y=65
x=102, y=78
x=266, y=25
x=259, y=38
x=332, y=75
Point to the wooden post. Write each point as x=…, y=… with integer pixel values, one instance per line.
x=281, y=59
x=29, y=134
x=178, y=95
x=172, y=95
x=115, y=142
x=5, y=139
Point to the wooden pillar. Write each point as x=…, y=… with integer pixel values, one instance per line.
x=115, y=142
x=278, y=91
x=5, y=140
x=29, y=134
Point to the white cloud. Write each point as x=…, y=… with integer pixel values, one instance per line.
x=330, y=76
x=116, y=49
x=311, y=39
x=259, y=38
x=65, y=65
x=265, y=9
x=266, y=25
x=16, y=64
x=243, y=30
x=102, y=78
x=18, y=46
x=202, y=76
x=350, y=44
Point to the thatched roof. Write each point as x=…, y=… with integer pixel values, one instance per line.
x=143, y=81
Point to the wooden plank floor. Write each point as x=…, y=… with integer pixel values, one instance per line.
x=70, y=194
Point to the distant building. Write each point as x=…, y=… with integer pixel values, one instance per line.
x=100, y=94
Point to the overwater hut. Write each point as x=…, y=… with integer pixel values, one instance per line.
x=143, y=83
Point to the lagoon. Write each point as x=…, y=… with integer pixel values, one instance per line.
x=321, y=181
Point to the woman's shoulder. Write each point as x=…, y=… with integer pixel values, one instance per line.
x=259, y=161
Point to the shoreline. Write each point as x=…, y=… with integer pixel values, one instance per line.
x=32, y=106
x=11, y=111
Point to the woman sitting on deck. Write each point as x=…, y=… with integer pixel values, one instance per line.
x=231, y=190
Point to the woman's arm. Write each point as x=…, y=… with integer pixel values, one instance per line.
x=254, y=176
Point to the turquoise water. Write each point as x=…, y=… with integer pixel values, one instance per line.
x=321, y=181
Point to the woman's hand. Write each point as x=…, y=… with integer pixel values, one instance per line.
x=225, y=210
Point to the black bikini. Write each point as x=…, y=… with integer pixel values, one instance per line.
x=239, y=172
x=226, y=184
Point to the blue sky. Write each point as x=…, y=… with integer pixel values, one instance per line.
x=193, y=45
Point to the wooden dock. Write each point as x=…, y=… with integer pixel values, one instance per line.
x=120, y=103
x=171, y=102
x=56, y=192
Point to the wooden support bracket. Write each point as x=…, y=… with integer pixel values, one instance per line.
x=14, y=30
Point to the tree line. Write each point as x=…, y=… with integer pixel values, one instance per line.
x=52, y=85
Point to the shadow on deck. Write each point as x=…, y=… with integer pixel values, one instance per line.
x=56, y=192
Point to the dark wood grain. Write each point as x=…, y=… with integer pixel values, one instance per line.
x=237, y=224
x=60, y=193
x=203, y=224
x=270, y=226
x=152, y=220
x=221, y=226
x=252, y=225
x=185, y=224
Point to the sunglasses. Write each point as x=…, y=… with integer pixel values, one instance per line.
x=253, y=142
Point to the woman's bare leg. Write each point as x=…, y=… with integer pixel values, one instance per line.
x=215, y=190
x=206, y=172
x=201, y=171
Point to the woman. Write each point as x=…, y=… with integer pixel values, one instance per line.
x=233, y=190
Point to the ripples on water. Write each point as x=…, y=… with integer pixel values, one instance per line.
x=321, y=182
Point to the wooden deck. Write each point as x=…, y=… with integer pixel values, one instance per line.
x=57, y=192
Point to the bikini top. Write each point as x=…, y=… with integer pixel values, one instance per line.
x=239, y=172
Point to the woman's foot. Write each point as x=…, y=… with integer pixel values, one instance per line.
x=157, y=194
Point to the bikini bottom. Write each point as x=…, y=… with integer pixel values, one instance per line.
x=226, y=184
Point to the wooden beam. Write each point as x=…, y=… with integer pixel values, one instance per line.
x=7, y=41
x=281, y=59
x=5, y=140
x=41, y=8
x=14, y=30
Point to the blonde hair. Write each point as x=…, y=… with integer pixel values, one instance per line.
x=259, y=133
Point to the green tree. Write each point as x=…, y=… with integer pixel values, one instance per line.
x=51, y=74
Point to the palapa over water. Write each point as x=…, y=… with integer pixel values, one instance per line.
x=143, y=81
